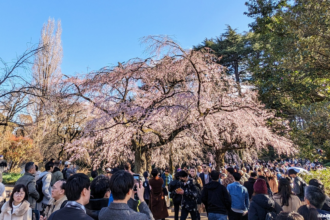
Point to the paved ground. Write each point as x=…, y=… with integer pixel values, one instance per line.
x=203, y=216
x=9, y=188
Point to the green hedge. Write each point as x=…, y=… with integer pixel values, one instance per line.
x=10, y=178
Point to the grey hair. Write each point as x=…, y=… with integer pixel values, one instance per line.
x=315, y=196
x=29, y=166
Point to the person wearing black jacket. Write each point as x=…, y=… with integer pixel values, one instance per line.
x=100, y=193
x=176, y=198
x=189, y=197
x=249, y=184
x=216, y=198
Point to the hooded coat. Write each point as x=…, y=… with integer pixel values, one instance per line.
x=24, y=212
x=216, y=198
x=260, y=205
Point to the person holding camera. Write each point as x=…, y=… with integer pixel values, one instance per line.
x=157, y=203
x=121, y=186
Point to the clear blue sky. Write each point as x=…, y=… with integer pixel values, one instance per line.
x=102, y=32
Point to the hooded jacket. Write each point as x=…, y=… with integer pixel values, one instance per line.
x=24, y=212
x=249, y=186
x=260, y=205
x=216, y=198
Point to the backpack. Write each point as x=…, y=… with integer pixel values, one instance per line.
x=64, y=173
x=39, y=184
x=303, y=187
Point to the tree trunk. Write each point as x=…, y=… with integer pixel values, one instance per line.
x=237, y=78
x=148, y=161
x=170, y=162
x=220, y=158
x=140, y=161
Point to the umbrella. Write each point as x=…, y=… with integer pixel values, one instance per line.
x=300, y=170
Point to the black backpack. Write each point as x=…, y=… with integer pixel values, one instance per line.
x=64, y=173
x=39, y=189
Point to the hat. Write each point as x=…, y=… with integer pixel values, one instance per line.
x=108, y=170
x=114, y=170
x=67, y=163
x=260, y=187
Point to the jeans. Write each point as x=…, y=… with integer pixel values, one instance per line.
x=36, y=214
x=217, y=216
x=185, y=212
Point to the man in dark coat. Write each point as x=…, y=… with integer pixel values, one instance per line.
x=216, y=198
x=249, y=184
x=77, y=191
x=205, y=176
x=189, y=197
x=100, y=193
x=176, y=198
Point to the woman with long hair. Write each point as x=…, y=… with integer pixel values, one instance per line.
x=157, y=202
x=17, y=208
x=288, y=201
x=272, y=181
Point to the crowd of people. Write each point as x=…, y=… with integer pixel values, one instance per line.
x=257, y=191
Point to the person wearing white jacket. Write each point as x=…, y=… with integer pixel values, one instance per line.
x=46, y=188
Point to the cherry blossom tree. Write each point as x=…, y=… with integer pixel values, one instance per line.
x=172, y=108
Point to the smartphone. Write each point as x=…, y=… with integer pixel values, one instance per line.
x=136, y=177
x=136, y=180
